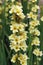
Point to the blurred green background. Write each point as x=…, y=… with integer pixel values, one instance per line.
x=41, y=30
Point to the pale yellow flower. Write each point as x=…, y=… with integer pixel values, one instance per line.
x=34, y=17
x=12, y=9
x=23, y=35
x=21, y=27
x=42, y=18
x=17, y=39
x=35, y=41
x=23, y=62
x=14, y=58
x=14, y=38
x=14, y=47
x=21, y=15
x=36, y=32
x=22, y=57
x=23, y=45
x=14, y=27
x=19, y=4
x=29, y=15
x=24, y=24
x=12, y=0
x=15, y=9
x=34, y=23
x=31, y=29
x=37, y=52
x=35, y=8
x=18, y=9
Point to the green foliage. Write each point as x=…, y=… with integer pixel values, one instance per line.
x=3, y=60
x=41, y=29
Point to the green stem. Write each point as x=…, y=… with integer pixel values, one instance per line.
x=37, y=61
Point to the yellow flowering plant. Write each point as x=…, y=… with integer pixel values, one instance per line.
x=19, y=33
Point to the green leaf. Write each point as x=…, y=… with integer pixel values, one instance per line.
x=3, y=60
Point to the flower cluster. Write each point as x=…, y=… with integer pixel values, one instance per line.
x=19, y=34
x=22, y=58
x=33, y=29
x=17, y=9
